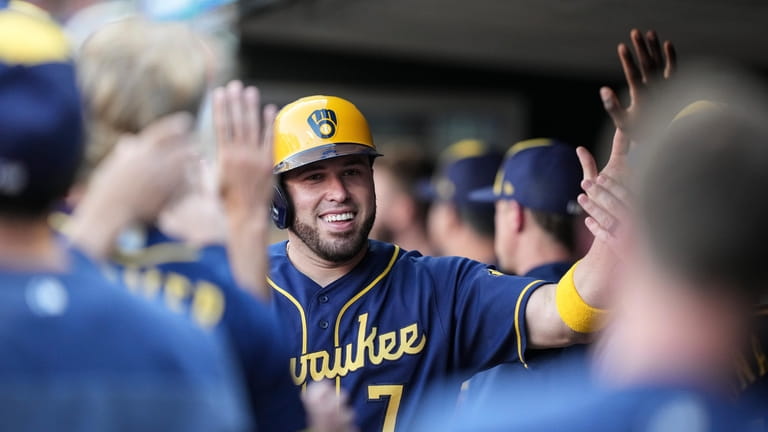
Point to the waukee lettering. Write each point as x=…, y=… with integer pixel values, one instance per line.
x=369, y=348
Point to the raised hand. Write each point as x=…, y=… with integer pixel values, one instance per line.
x=244, y=136
x=607, y=201
x=244, y=147
x=655, y=62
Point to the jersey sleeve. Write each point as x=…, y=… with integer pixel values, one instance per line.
x=254, y=330
x=484, y=312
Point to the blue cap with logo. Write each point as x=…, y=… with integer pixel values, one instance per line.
x=463, y=167
x=41, y=142
x=541, y=174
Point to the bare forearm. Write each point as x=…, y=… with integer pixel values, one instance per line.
x=546, y=329
x=593, y=275
x=94, y=227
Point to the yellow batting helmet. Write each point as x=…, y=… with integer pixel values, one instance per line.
x=319, y=127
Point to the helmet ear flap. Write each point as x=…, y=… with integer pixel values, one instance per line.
x=282, y=213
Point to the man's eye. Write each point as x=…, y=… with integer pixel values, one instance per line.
x=352, y=172
x=313, y=177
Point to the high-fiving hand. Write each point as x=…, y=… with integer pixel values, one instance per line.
x=607, y=200
x=657, y=62
x=244, y=136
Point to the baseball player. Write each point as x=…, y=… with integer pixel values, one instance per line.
x=535, y=196
x=535, y=192
x=379, y=321
x=458, y=226
x=195, y=281
x=79, y=353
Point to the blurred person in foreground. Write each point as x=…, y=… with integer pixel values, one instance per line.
x=458, y=226
x=133, y=72
x=401, y=215
x=699, y=276
x=82, y=354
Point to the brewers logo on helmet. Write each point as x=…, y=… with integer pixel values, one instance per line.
x=311, y=129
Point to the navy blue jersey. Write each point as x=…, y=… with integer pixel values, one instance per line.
x=198, y=283
x=539, y=365
x=82, y=354
x=394, y=323
x=551, y=272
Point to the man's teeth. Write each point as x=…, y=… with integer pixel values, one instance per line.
x=338, y=217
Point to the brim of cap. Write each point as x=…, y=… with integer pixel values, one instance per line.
x=323, y=152
x=483, y=195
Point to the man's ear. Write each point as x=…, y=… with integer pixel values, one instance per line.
x=520, y=216
x=512, y=214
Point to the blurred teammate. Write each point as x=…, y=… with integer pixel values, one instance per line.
x=535, y=194
x=133, y=72
x=79, y=353
x=700, y=277
x=401, y=215
x=457, y=225
x=535, y=197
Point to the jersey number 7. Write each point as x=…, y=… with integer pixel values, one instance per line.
x=395, y=393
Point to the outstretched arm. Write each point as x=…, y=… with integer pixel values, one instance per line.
x=244, y=136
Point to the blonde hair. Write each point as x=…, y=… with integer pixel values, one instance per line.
x=132, y=72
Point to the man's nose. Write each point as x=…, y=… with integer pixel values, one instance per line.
x=337, y=190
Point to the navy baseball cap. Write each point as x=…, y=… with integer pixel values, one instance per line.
x=540, y=174
x=463, y=167
x=41, y=143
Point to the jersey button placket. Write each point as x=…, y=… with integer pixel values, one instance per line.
x=323, y=324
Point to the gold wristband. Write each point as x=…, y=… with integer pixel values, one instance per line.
x=575, y=313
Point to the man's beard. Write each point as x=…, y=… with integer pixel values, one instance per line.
x=339, y=249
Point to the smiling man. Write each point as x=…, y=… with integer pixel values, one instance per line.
x=378, y=321
x=341, y=206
